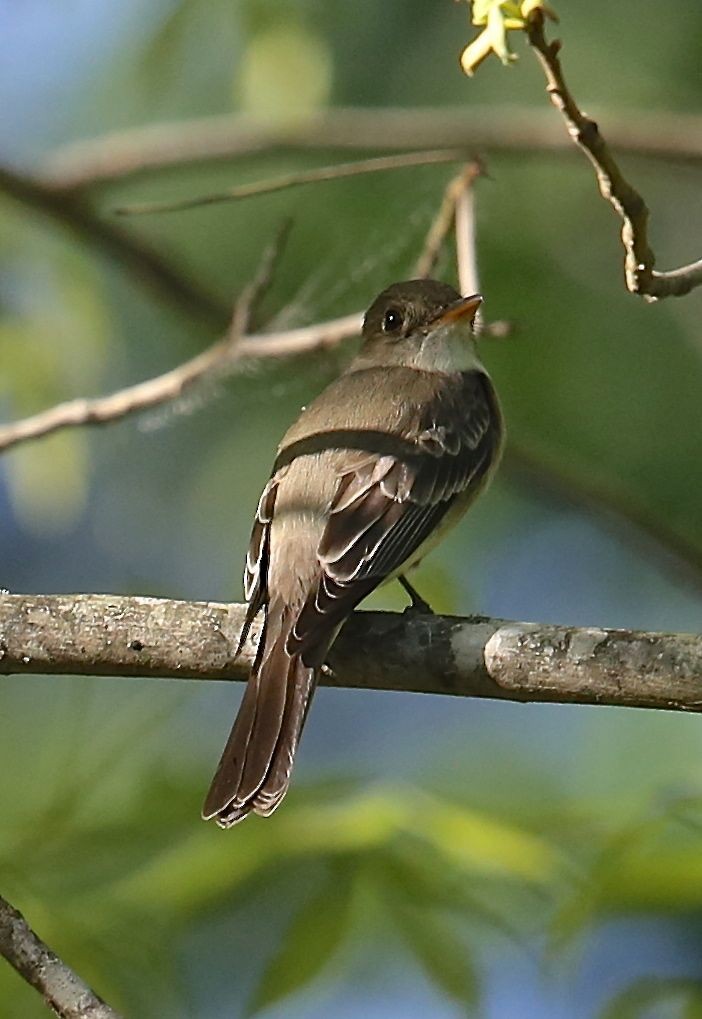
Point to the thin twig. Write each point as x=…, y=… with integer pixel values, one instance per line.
x=157, y=147
x=61, y=988
x=445, y=217
x=246, y=305
x=290, y=180
x=681, y=558
x=147, y=265
x=641, y=277
x=172, y=384
x=112, y=635
x=466, y=243
x=452, y=212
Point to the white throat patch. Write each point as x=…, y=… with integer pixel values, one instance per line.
x=450, y=348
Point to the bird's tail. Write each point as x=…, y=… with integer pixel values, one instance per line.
x=254, y=771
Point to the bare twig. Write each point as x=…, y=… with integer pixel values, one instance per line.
x=466, y=243
x=62, y=989
x=109, y=635
x=224, y=353
x=172, y=384
x=641, y=277
x=444, y=220
x=134, y=255
x=456, y=209
x=158, y=147
x=467, y=250
x=681, y=558
x=245, y=306
x=289, y=180
x=161, y=389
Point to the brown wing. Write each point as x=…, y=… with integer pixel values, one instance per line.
x=256, y=568
x=388, y=505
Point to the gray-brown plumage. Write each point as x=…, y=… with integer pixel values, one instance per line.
x=367, y=479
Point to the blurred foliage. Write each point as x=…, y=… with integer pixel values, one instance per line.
x=476, y=842
x=651, y=998
x=116, y=881
x=139, y=865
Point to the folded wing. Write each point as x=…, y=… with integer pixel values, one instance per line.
x=387, y=506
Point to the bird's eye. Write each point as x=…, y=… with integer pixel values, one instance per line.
x=392, y=321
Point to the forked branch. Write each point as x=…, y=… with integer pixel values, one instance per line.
x=233, y=347
x=639, y=261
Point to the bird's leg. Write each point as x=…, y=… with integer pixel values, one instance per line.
x=418, y=603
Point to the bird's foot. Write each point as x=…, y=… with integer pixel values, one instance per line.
x=417, y=604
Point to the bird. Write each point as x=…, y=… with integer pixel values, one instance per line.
x=366, y=481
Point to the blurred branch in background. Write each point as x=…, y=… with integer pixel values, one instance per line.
x=134, y=255
x=644, y=529
x=317, y=175
x=157, y=147
x=641, y=277
x=412, y=652
x=62, y=989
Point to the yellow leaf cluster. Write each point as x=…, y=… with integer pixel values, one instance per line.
x=498, y=18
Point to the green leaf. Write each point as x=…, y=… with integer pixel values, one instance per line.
x=435, y=944
x=483, y=844
x=420, y=877
x=652, y=863
x=640, y=996
x=311, y=941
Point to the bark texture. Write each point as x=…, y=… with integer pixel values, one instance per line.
x=111, y=635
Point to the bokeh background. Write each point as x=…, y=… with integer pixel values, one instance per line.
x=435, y=856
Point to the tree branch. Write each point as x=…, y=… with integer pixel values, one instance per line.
x=680, y=557
x=316, y=175
x=224, y=353
x=172, y=384
x=62, y=989
x=110, y=635
x=158, y=147
x=641, y=277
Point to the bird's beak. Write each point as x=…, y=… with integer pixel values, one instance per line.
x=463, y=310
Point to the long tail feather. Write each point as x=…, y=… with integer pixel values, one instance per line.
x=254, y=771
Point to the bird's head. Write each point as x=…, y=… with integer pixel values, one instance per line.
x=423, y=324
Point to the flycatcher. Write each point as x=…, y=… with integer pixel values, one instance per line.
x=366, y=481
